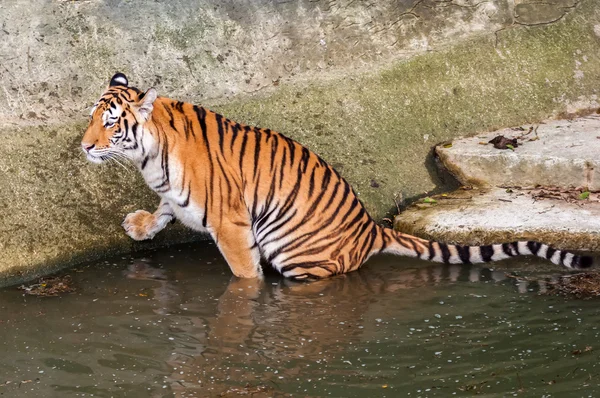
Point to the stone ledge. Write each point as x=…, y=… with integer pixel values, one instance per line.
x=561, y=153
x=480, y=217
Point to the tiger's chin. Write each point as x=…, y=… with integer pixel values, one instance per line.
x=94, y=159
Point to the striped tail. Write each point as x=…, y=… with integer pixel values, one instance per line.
x=411, y=246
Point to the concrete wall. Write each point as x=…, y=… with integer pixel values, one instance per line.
x=371, y=86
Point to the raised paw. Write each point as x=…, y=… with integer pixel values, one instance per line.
x=140, y=225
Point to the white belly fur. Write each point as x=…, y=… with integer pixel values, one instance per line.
x=190, y=216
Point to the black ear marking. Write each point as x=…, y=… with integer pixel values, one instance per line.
x=119, y=79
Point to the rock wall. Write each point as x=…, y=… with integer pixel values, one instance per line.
x=371, y=86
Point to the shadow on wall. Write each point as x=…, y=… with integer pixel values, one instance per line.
x=443, y=180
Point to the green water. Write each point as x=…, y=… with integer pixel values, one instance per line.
x=175, y=323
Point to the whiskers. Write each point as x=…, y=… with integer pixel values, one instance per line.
x=118, y=157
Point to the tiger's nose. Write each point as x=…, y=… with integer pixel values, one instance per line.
x=87, y=147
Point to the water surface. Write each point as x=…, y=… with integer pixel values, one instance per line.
x=175, y=323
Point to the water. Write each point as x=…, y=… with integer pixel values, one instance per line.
x=175, y=323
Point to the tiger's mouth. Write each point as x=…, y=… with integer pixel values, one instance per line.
x=92, y=156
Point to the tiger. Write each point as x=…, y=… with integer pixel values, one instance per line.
x=265, y=199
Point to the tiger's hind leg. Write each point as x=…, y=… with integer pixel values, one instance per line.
x=142, y=225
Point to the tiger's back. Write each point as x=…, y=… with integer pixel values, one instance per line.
x=259, y=194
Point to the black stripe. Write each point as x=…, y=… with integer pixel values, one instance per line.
x=294, y=243
x=335, y=213
x=144, y=161
x=281, y=167
x=486, y=253
x=204, y=217
x=283, y=210
x=445, y=252
x=562, y=256
x=201, y=114
x=534, y=247
x=254, y=202
x=311, y=184
x=309, y=251
x=288, y=204
x=326, y=179
x=190, y=127
x=292, y=147
x=171, y=118
x=186, y=127
x=220, y=122
x=243, y=150
x=550, y=253
x=186, y=202
x=234, y=133
x=431, y=250
x=126, y=126
x=414, y=247
x=274, y=146
x=332, y=196
x=306, y=264
x=507, y=250
x=268, y=201
x=353, y=223
x=312, y=209
x=257, y=137
x=464, y=254
x=278, y=226
x=515, y=245
x=166, y=160
x=134, y=128
x=304, y=160
x=367, y=245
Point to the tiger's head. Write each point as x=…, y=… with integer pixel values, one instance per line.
x=116, y=121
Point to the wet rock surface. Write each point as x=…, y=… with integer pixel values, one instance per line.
x=487, y=216
x=543, y=186
x=341, y=79
x=562, y=153
x=207, y=49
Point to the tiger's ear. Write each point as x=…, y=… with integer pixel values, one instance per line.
x=145, y=103
x=119, y=79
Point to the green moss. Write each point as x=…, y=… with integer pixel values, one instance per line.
x=382, y=127
x=57, y=209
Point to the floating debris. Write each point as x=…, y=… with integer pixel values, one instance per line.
x=247, y=390
x=583, y=285
x=50, y=286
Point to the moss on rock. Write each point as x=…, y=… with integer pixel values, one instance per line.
x=376, y=129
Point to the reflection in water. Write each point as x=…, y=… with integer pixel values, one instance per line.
x=175, y=324
x=166, y=293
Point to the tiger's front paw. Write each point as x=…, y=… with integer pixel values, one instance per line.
x=140, y=225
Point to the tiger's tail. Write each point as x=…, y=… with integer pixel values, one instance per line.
x=407, y=245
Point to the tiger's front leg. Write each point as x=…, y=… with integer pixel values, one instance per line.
x=142, y=225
